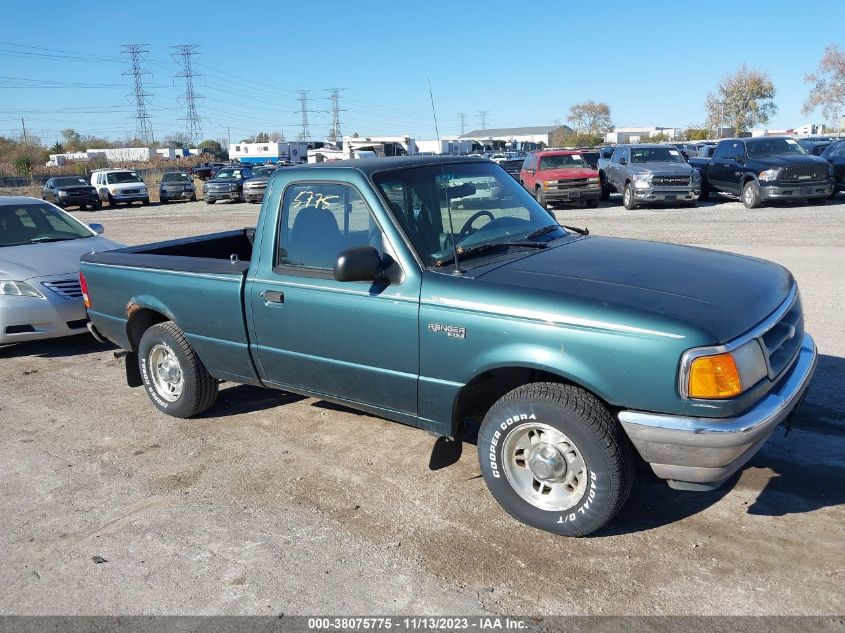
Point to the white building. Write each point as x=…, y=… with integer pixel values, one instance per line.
x=390, y=145
x=516, y=137
x=641, y=134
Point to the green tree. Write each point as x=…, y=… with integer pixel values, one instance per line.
x=743, y=100
x=57, y=148
x=696, y=134
x=73, y=140
x=591, y=118
x=262, y=137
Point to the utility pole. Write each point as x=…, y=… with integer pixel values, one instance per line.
x=482, y=116
x=335, y=134
x=184, y=52
x=139, y=96
x=23, y=128
x=304, y=130
x=463, y=118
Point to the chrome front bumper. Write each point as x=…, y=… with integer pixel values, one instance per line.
x=701, y=453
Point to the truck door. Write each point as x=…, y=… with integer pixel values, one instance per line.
x=723, y=170
x=357, y=341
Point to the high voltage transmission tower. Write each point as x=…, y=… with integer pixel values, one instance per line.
x=463, y=118
x=482, y=117
x=139, y=96
x=335, y=134
x=304, y=130
x=183, y=53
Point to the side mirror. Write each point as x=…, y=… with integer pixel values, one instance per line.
x=623, y=161
x=739, y=159
x=97, y=228
x=358, y=264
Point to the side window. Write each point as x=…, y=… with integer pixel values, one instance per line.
x=738, y=150
x=723, y=150
x=526, y=164
x=617, y=154
x=319, y=221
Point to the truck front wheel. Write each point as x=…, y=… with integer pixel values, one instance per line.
x=751, y=195
x=628, y=198
x=555, y=459
x=175, y=379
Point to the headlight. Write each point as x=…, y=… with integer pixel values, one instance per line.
x=63, y=193
x=592, y=179
x=18, y=289
x=549, y=183
x=642, y=181
x=769, y=174
x=696, y=175
x=707, y=373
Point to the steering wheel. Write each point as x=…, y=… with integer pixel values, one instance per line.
x=467, y=229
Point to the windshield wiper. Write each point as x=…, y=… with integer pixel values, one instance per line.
x=472, y=251
x=575, y=229
x=542, y=231
x=41, y=240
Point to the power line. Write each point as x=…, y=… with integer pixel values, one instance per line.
x=192, y=119
x=482, y=115
x=335, y=134
x=463, y=118
x=143, y=123
x=304, y=130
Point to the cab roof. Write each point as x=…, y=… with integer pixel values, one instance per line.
x=369, y=166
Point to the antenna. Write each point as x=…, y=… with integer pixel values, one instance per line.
x=457, y=270
x=144, y=126
x=192, y=119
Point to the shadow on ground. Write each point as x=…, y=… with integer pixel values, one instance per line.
x=56, y=347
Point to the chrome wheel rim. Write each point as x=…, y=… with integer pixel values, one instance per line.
x=749, y=195
x=544, y=467
x=166, y=372
x=627, y=196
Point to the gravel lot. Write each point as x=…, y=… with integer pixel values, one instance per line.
x=273, y=503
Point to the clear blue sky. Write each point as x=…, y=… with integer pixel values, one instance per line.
x=525, y=63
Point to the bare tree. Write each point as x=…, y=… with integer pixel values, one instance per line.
x=590, y=118
x=277, y=137
x=828, y=91
x=742, y=100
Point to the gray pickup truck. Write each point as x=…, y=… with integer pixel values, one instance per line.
x=648, y=174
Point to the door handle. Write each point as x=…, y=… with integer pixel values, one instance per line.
x=272, y=296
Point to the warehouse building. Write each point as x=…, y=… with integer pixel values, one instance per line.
x=516, y=137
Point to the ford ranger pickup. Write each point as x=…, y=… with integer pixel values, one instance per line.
x=435, y=291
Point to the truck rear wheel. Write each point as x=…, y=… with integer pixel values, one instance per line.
x=554, y=458
x=175, y=379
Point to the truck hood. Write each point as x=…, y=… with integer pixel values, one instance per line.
x=790, y=159
x=679, y=169
x=20, y=263
x=567, y=173
x=721, y=294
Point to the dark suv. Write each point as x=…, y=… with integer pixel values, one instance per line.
x=835, y=155
x=66, y=191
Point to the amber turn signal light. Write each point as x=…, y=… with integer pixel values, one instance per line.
x=714, y=377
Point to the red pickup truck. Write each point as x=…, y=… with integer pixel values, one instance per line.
x=560, y=176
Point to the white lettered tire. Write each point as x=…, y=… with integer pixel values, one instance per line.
x=554, y=458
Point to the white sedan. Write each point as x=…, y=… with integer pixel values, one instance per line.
x=40, y=247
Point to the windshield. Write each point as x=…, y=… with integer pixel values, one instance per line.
x=773, y=147
x=656, y=155
x=122, y=176
x=230, y=173
x=32, y=223
x=174, y=177
x=263, y=171
x=562, y=161
x=487, y=207
x=69, y=182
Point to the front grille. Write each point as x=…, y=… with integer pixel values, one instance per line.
x=800, y=174
x=571, y=184
x=67, y=288
x=128, y=191
x=512, y=166
x=670, y=181
x=782, y=342
x=79, y=192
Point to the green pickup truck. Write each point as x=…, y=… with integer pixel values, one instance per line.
x=436, y=291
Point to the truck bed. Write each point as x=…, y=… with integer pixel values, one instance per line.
x=197, y=282
x=227, y=252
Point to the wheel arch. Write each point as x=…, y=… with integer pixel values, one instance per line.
x=477, y=396
x=140, y=320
